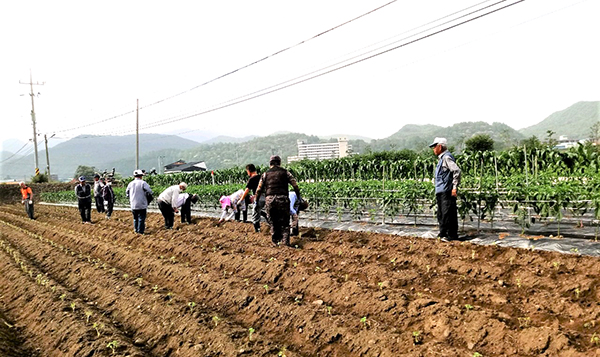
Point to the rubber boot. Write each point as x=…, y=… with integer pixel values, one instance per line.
x=245, y=216
x=257, y=227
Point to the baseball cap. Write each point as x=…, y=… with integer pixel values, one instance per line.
x=438, y=141
x=81, y=178
x=275, y=159
x=138, y=173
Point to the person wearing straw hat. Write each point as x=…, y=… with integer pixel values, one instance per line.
x=447, y=179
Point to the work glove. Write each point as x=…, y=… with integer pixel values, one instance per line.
x=30, y=202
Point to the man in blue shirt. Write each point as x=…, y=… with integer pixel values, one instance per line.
x=136, y=192
x=447, y=179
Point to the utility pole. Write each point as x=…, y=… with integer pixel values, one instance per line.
x=137, y=135
x=47, y=156
x=35, y=150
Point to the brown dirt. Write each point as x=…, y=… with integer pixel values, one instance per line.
x=197, y=290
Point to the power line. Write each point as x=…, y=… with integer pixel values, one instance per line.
x=14, y=154
x=298, y=80
x=228, y=73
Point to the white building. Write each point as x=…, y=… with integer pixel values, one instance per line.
x=322, y=151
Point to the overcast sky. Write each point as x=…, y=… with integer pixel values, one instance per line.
x=516, y=66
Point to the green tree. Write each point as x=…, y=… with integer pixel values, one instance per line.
x=532, y=143
x=87, y=171
x=39, y=178
x=479, y=142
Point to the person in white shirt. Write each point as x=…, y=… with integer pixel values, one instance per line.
x=167, y=203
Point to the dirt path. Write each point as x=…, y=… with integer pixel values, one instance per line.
x=228, y=291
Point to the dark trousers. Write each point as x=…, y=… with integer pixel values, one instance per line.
x=109, y=208
x=186, y=211
x=29, y=209
x=447, y=215
x=85, y=210
x=167, y=212
x=244, y=214
x=278, y=214
x=99, y=203
x=139, y=220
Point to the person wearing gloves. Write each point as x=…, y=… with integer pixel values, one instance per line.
x=98, y=185
x=108, y=195
x=84, y=200
x=27, y=199
x=234, y=202
x=137, y=191
x=447, y=179
x=274, y=183
x=168, y=203
x=184, y=203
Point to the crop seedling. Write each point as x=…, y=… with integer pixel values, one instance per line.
x=250, y=332
x=417, y=339
x=266, y=287
x=473, y=254
x=155, y=288
x=469, y=307
x=524, y=322
x=329, y=309
x=88, y=314
x=577, y=292
x=595, y=339
x=427, y=267
x=62, y=297
x=393, y=261
x=139, y=281
x=216, y=320
x=363, y=320
x=477, y=354
x=113, y=345
x=191, y=305
x=98, y=327
x=380, y=285
x=125, y=276
x=73, y=305
x=282, y=352
x=518, y=283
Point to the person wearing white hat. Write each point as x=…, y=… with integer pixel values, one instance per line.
x=137, y=191
x=84, y=200
x=447, y=179
x=168, y=203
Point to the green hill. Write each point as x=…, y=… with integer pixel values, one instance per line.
x=418, y=137
x=575, y=122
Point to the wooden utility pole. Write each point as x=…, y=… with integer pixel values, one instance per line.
x=137, y=136
x=47, y=156
x=35, y=150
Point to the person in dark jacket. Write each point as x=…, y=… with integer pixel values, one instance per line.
x=108, y=195
x=274, y=184
x=98, y=185
x=84, y=200
x=447, y=179
x=186, y=207
x=259, y=202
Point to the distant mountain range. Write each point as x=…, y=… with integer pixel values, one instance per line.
x=106, y=152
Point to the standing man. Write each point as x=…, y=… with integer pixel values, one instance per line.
x=98, y=185
x=259, y=202
x=84, y=200
x=27, y=199
x=136, y=192
x=447, y=179
x=274, y=183
x=108, y=195
x=168, y=203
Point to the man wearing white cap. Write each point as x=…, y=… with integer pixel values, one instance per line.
x=447, y=179
x=137, y=191
x=168, y=203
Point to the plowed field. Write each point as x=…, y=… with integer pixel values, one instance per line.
x=73, y=289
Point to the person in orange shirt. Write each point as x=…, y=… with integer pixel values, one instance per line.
x=27, y=199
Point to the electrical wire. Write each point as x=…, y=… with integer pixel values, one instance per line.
x=312, y=75
x=14, y=154
x=228, y=73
